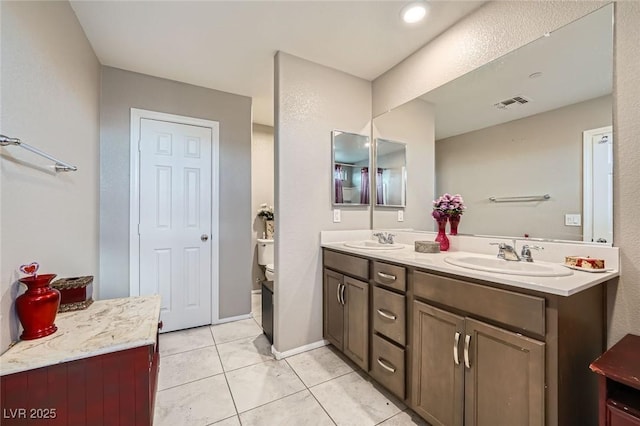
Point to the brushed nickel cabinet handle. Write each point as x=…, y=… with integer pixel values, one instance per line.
x=387, y=276
x=342, y=293
x=467, y=341
x=338, y=293
x=383, y=313
x=456, y=340
x=386, y=365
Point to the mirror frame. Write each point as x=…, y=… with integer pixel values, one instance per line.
x=335, y=133
x=404, y=174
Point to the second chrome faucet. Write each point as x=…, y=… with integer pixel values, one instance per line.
x=384, y=237
x=508, y=252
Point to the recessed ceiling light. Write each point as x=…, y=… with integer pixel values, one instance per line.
x=414, y=12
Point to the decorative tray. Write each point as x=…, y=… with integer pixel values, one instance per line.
x=593, y=271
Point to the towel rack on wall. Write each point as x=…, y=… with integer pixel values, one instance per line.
x=523, y=198
x=60, y=166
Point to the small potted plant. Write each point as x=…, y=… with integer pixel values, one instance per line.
x=266, y=214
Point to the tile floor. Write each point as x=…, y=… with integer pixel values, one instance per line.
x=225, y=375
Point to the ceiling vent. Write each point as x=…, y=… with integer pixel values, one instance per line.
x=512, y=102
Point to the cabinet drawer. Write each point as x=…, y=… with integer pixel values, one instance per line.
x=387, y=365
x=389, y=317
x=507, y=307
x=350, y=265
x=390, y=276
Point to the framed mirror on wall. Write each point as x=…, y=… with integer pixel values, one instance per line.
x=513, y=130
x=351, y=164
x=391, y=173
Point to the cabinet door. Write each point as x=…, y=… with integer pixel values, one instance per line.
x=356, y=321
x=618, y=417
x=333, y=309
x=438, y=372
x=504, y=385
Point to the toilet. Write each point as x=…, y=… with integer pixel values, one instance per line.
x=265, y=257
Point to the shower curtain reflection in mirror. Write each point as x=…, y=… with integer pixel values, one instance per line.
x=337, y=179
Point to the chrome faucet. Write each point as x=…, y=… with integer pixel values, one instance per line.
x=507, y=252
x=384, y=237
x=526, y=252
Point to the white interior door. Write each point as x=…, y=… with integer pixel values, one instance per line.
x=175, y=220
x=598, y=185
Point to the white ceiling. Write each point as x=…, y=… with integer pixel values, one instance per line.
x=576, y=62
x=229, y=45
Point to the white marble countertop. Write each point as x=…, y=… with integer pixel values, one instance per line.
x=563, y=286
x=104, y=327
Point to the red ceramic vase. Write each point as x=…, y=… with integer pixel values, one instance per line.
x=38, y=306
x=442, y=235
x=454, y=221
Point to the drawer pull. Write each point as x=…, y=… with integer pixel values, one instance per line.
x=456, y=340
x=387, y=276
x=386, y=365
x=467, y=341
x=384, y=313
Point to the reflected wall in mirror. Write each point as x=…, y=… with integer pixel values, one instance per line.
x=351, y=164
x=411, y=123
x=391, y=173
x=515, y=127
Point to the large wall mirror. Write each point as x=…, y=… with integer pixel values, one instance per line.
x=526, y=139
x=391, y=173
x=351, y=163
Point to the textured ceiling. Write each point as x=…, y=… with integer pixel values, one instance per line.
x=229, y=45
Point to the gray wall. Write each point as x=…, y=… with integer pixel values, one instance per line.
x=311, y=100
x=412, y=123
x=50, y=89
x=539, y=154
x=122, y=90
x=624, y=298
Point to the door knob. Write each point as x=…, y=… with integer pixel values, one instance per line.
x=204, y=237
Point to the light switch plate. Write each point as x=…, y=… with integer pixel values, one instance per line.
x=573, y=219
x=400, y=215
x=336, y=215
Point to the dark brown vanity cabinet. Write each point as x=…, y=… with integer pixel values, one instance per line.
x=462, y=351
x=346, y=306
x=472, y=373
x=388, y=323
x=489, y=355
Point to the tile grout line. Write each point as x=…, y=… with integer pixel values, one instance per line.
x=235, y=407
x=191, y=381
x=186, y=351
x=308, y=389
x=239, y=338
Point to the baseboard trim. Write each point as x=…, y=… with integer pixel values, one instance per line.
x=231, y=319
x=298, y=350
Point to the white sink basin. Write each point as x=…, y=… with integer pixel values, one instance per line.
x=492, y=264
x=373, y=245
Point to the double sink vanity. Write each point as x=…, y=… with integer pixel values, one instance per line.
x=463, y=342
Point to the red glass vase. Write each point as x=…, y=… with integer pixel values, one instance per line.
x=442, y=235
x=37, y=307
x=454, y=221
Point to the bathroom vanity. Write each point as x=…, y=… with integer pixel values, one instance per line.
x=464, y=347
x=100, y=367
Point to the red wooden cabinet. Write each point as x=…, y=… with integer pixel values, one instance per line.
x=619, y=370
x=117, y=388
